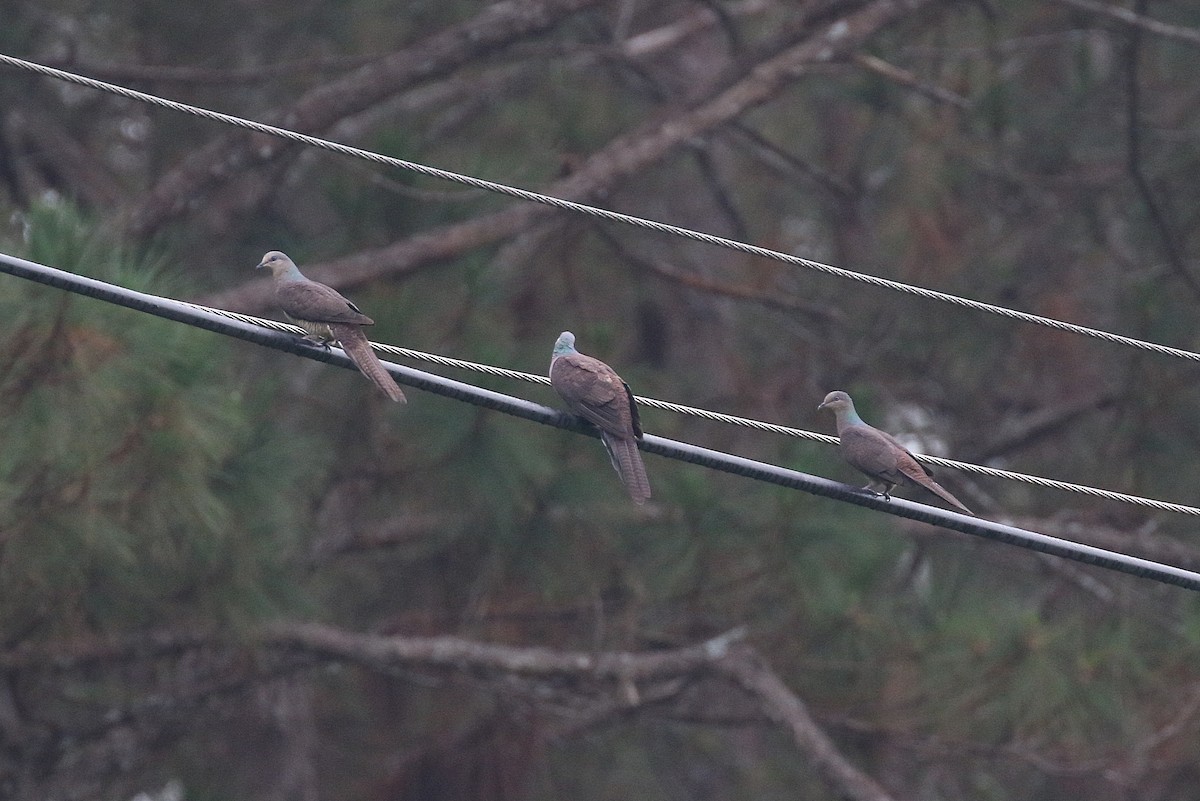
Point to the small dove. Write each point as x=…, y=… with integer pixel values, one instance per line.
x=879, y=455
x=327, y=317
x=596, y=393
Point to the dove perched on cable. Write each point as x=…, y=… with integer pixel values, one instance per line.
x=592, y=390
x=877, y=453
x=327, y=317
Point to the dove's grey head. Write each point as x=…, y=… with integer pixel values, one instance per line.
x=838, y=402
x=279, y=264
x=565, y=345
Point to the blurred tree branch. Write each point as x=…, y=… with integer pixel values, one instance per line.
x=903, y=77
x=626, y=155
x=1135, y=162
x=621, y=672
x=701, y=283
x=206, y=76
x=497, y=26
x=775, y=157
x=1016, y=432
x=458, y=654
x=1130, y=772
x=720, y=655
x=45, y=156
x=1128, y=17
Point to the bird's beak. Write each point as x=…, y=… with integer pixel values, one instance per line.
x=819, y=408
x=259, y=266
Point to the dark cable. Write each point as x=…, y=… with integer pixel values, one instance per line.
x=671, y=449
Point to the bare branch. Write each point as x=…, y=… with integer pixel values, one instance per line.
x=943, y=748
x=84, y=652
x=207, y=76
x=377, y=653
x=722, y=193
x=781, y=705
x=653, y=41
x=1124, y=15
x=45, y=156
x=777, y=158
x=1141, y=755
x=1016, y=432
x=693, y=280
x=906, y=79
x=720, y=657
x=496, y=26
x=626, y=155
x=1134, y=163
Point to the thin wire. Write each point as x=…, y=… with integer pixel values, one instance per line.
x=671, y=449
x=744, y=422
x=652, y=225
x=581, y=208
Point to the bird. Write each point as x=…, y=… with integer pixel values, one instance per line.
x=593, y=391
x=327, y=317
x=877, y=453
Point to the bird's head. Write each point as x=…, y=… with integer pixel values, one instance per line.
x=837, y=401
x=278, y=263
x=565, y=344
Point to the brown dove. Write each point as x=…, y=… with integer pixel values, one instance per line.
x=327, y=317
x=596, y=393
x=877, y=453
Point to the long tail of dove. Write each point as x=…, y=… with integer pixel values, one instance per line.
x=355, y=343
x=627, y=461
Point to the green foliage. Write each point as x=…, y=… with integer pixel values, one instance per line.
x=140, y=486
x=154, y=474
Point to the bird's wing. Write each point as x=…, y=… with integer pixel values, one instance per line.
x=594, y=392
x=879, y=455
x=309, y=300
x=871, y=451
x=896, y=444
x=914, y=471
x=908, y=468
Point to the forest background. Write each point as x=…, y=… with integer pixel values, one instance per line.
x=226, y=572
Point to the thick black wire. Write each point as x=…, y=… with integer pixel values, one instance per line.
x=671, y=449
x=706, y=414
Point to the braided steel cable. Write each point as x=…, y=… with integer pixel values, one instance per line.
x=668, y=229
x=605, y=214
x=744, y=422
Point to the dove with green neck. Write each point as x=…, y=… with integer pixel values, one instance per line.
x=593, y=390
x=877, y=454
x=327, y=317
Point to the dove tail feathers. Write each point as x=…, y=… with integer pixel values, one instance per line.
x=627, y=461
x=943, y=493
x=354, y=342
